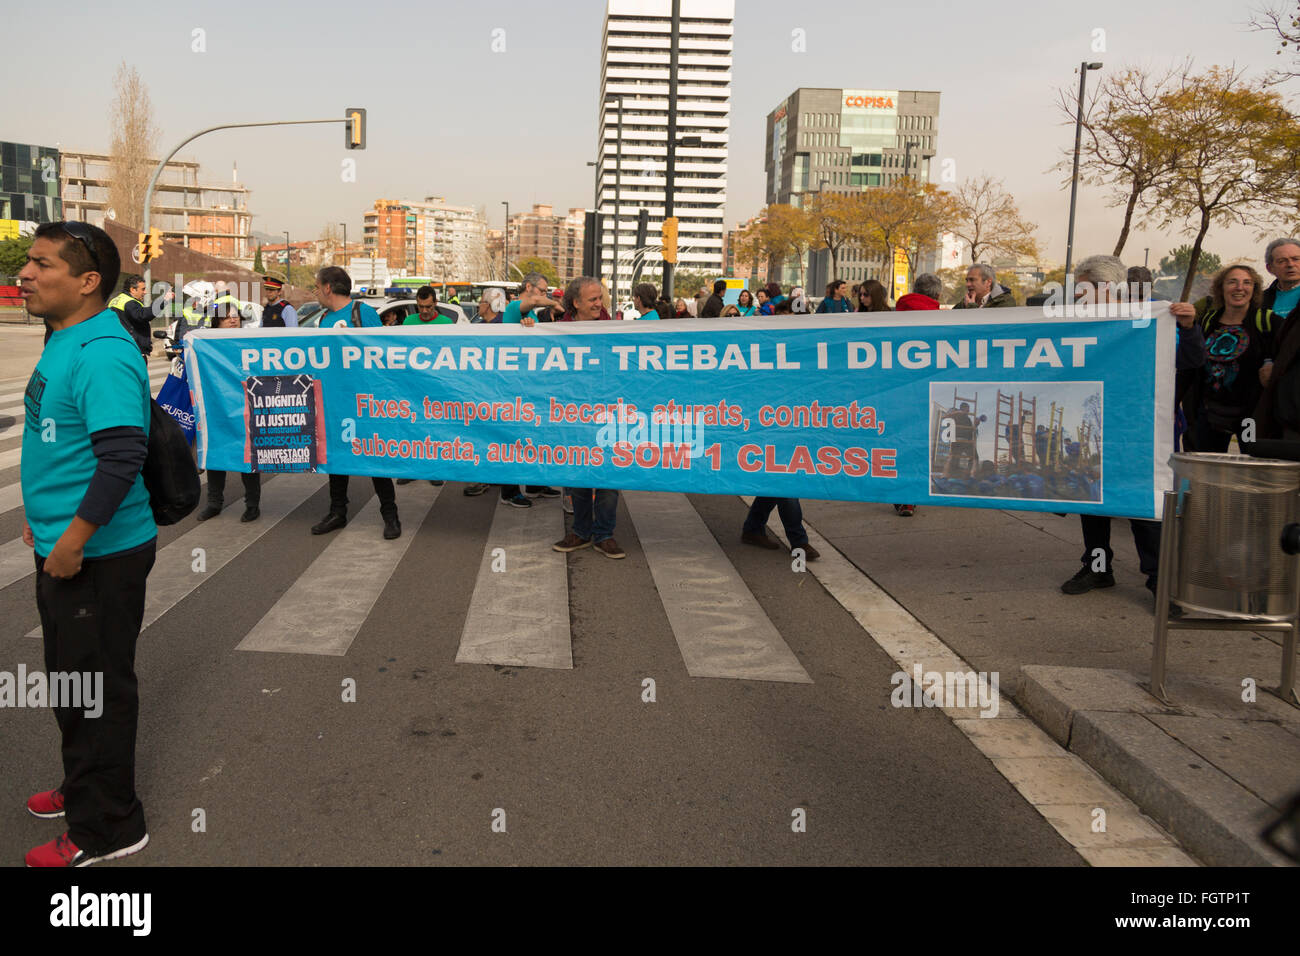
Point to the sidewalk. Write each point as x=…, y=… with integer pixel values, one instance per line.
x=1212, y=769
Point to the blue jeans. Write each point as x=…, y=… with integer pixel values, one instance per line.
x=791, y=518
x=594, y=512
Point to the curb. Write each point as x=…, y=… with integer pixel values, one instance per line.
x=1104, y=717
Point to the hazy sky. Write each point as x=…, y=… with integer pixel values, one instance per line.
x=448, y=117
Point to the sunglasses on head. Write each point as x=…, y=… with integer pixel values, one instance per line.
x=81, y=232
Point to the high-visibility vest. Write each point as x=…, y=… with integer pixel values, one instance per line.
x=119, y=301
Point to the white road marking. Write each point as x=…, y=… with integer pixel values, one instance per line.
x=520, y=616
x=719, y=626
x=323, y=610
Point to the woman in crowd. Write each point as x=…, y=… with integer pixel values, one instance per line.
x=730, y=312
x=835, y=300
x=872, y=298
x=1238, y=356
x=764, y=303
x=679, y=309
x=746, y=305
x=774, y=296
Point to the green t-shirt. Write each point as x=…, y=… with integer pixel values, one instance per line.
x=438, y=319
x=89, y=378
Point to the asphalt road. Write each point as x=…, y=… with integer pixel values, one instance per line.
x=584, y=769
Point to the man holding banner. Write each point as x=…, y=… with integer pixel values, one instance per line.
x=334, y=292
x=595, y=510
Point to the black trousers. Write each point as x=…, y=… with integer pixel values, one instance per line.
x=383, y=488
x=252, y=488
x=90, y=624
x=1146, y=535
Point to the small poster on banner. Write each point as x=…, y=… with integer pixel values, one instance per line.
x=284, y=424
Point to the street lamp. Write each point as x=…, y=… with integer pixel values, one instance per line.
x=287, y=274
x=1084, y=67
x=505, y=238
x=345, y=244
x=618, y=196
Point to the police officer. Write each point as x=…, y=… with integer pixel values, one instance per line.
x=277, y=313
x=129, y=305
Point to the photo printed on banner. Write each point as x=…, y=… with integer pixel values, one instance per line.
x=1027, y=440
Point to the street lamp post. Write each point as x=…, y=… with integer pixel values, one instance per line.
x=1084, y=67
x=153, y=180
x=287, y=274
x=345, y=244
x=670, y=172
x=505, y=238
x=618, y=198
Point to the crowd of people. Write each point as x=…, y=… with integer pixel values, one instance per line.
x=88, y=515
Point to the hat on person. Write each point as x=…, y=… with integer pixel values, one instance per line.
x=272, y=283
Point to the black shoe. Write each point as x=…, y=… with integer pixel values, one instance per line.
x=436, y=484
x=404, y=481
x=392, y=528
x=475, y=489
x=542, y=491
x=760, y=539
x=332, y=522
x=209, y=511
x=251, y=513
x=1087, y=579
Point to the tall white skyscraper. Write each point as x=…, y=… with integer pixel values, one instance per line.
x=634, y=65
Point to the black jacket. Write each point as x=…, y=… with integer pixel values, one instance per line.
x=712, y=308
x=137, y=320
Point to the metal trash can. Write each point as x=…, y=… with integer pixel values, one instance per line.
x=1231, y=513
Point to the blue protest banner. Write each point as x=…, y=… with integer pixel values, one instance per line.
x=1007, y=408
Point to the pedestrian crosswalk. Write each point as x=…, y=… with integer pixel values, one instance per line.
x=519, y=611
x=327, y=605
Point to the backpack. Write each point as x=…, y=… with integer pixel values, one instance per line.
x=356, y=314
x=170, y=475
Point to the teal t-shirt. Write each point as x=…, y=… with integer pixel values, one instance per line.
x=514, y=314
x=90, y=377
x=1284, y=303
x=343, y=317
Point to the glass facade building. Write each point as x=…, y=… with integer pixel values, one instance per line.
x=29, y=183
x=845, y=141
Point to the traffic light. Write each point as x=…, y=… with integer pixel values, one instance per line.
x=142, y=247
x=669, y=235
x=355, y=127
x=155, y=244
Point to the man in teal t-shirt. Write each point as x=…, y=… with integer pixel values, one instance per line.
x=426, y=304
x=89, y=520
x=535, y=297
x=334, y=292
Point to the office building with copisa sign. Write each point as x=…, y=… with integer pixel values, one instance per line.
x=848, y=140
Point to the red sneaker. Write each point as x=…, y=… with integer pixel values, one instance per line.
x=47, y=805
x=61, y=851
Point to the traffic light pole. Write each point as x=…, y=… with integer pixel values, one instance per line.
x=671, y=171
x=153, y=180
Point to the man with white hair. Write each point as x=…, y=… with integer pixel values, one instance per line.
x=1095, y=279
x=1278, y=412
x=983, y=291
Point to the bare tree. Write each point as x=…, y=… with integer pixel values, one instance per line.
x=1121, y=146
x=134, y=147
x=989, y=221
x=1285, y=25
